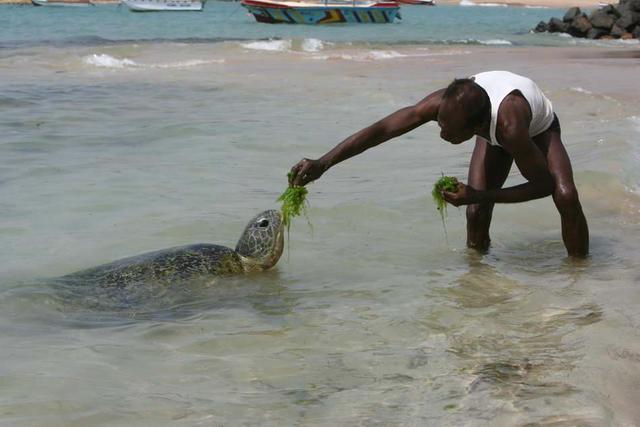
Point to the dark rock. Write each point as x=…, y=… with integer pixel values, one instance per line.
x=596, y=33
x=571, y=14
x=580, y=26
x=617, y=32
x=628, y=19
x=633, y=5
x=610, y=10
x=557, y=26
x=636, y=32
x=541, y=27
x=623, y=7
x=601, y=19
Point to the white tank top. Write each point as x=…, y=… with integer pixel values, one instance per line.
x=499, y=84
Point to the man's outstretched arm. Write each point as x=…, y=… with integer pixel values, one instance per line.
x=396, y=124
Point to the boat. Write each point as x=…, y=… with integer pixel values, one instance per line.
x=323, y=12
x=418, y=2
x=62, y=3
x=164, y=5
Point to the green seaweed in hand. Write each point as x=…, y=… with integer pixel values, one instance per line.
x=445, y=183
x=293, y=204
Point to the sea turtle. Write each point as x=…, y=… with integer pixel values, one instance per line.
x=259, y=248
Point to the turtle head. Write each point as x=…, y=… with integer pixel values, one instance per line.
x=261, y=244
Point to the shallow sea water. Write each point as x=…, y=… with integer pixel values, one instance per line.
x=371, y=318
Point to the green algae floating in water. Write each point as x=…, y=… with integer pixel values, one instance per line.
x=445, y=183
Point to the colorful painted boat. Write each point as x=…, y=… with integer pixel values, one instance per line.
x=327, y=12
x=418, y=2
x=164, y=5
x=62, y=3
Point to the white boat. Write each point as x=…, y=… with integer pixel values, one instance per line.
x=62, y=3
x=164, y=5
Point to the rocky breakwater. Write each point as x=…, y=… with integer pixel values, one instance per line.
x=621, y=21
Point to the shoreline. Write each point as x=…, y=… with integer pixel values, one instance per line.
x=557, y=4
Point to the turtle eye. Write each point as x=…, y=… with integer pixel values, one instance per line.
x=263, y=223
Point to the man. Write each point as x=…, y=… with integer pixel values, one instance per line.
x=512, y=121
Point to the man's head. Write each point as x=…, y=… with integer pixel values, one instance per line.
x=463, y=111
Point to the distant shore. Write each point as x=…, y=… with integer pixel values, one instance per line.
x=560, y=4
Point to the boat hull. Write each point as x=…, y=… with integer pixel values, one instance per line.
x=164, y=5
x=275, y=13
x=418, y=2
x=71, y=3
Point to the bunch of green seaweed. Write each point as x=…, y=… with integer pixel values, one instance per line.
x=445, y=183
x=293, y=204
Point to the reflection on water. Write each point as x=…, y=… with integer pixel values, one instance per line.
x=510, y=344
x=85, y=305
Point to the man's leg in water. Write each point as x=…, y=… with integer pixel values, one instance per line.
x=488, y=170
x=575, y=232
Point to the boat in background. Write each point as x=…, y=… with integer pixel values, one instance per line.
x=327, y=12
x=164, y=5
x=418, y=2
x=62, y=3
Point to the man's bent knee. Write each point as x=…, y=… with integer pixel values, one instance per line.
x=566, y=199
x=479, y=215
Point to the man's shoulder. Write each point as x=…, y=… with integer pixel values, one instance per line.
x=428, y=107
x=514, y=106
x=514, y=117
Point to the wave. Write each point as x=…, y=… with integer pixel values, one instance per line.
x=90, y=41
x=379, y=55
x=581, y=90
x=108, y=61
x=469, y=3
x=269, y=45
x=312, y=45
x=495, y=42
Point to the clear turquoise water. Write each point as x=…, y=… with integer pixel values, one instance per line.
x=112, y=146
x=229, y=21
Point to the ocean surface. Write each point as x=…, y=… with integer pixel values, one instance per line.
x=122, y=133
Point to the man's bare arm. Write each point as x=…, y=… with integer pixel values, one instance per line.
x=513, y=134
x=396, y=124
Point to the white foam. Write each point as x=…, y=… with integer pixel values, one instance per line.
x=385, y=54
x=581, y=90
x=185, y=64
x=468, y=3
x=312, y=45
x=628, y=41
x=495, y=42
x=377, y=55
x=269, y=45
x=536, y=7
x=108, y=61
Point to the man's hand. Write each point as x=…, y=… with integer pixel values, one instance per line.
x=305, y=171
x=465, y=195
